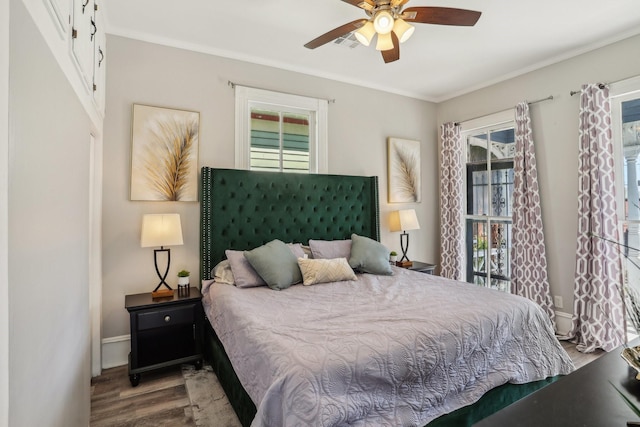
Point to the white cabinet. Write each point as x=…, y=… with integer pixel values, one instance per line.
x=60, y=11
x=99, y=62
x=83, y=34
x=88, y=47
x=75, y=36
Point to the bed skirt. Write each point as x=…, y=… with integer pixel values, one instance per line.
x=492, y=401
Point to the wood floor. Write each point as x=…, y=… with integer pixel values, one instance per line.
x=161, y=399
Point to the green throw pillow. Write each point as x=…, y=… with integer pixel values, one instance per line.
x=276, y=264
x=369, y=256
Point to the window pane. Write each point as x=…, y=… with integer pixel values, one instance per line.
x=265, y=140
x=500, y=243
x=295, y=153
x=265, y=159
x=477, y=148
x=477, y=190
x=477, y=250
x=501, y=188
x=279, y=142
x=503, y=144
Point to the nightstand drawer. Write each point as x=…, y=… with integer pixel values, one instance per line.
x=166, y=317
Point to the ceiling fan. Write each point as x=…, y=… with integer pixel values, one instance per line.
x=390, y=22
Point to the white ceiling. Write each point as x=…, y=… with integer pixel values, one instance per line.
x=437, y=63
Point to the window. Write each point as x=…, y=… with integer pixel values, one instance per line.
x=489, y=182
x=280, y=132
x=625, y=111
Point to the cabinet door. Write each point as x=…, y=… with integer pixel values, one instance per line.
x=99, y=64
x=60, y=11
x=84, y=29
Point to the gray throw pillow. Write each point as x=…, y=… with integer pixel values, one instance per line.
x=276, y=264
x=369, y=256
x=330, y=249
x=244, y=276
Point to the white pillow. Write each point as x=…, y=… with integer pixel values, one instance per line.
x=325, y=270
x=222, y=273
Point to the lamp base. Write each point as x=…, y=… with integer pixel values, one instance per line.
x=162, y=293
x=404, y=263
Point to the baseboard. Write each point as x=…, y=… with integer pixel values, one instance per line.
x=563, y=323
x=115, y=351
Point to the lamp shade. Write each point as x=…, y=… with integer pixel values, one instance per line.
x=161, y=230
x=365, y=33
x=403, y=30
x=385, y=42
x=403, y=220
x=383, y=22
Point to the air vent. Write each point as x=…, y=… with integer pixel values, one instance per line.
x=348, y=40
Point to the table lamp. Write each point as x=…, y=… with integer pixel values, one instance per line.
x=161, y=230
x=404, y=220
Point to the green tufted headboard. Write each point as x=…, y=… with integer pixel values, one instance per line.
x=243, y=209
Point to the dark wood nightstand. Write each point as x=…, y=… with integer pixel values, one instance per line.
x=164, y=332
x=422, y=267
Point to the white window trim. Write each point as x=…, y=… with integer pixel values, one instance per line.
x=318, y=147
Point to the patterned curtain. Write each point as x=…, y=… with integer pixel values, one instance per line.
x=598, y=311
x=451, y=203
x=528, y=256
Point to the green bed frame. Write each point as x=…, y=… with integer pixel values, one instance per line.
x=244, y=209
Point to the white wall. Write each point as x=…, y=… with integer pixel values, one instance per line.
x=48, y=209
x=359, y=122
x=4, y=224
x=555, y=132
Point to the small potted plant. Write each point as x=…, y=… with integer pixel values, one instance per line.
x=393, y=256
x=183, y=278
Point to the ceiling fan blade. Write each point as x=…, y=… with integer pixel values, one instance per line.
x=362, y=4
x=441, y=16
x=392, y=54
x=335, y=33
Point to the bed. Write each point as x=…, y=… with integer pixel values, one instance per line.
x=369, y=351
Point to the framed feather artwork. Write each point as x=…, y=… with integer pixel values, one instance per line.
x=403, y=159
x=164, y=154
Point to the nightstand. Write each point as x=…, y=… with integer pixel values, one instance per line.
x=422, y=267
x=164, y=332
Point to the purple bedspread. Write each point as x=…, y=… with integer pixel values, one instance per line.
x=395, y=350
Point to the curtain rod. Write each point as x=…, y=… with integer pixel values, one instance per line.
x=602, y=85
x=548, y=98
x=233, y=86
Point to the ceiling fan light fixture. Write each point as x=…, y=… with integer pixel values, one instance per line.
x=385, y=42
x=365, y=33
x=383, y=22
x=403, y=30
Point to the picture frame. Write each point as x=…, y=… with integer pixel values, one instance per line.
x=403, y=171
x=164, y=154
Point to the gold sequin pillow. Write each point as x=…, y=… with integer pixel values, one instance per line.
x=325, y=270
